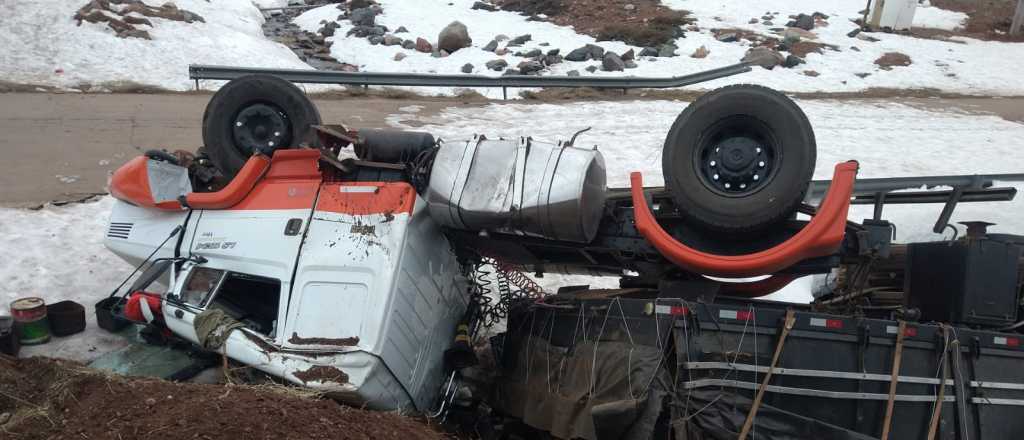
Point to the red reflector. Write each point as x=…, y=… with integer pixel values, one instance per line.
x=679, y=311
x=1013, y=342
x=744, y=315
x=833, y=323
x=910, y=331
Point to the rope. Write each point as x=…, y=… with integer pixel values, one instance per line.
x=786, y=327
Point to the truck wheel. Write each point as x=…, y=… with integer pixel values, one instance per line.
x=255, y=113
x=739, y=159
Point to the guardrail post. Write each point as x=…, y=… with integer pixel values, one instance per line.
x=504, y=93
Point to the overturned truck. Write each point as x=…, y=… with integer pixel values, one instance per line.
x=390, y=269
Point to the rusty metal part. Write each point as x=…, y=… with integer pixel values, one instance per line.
x=323, y=374
x=341, y=342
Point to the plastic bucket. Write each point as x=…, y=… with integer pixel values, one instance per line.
x=66, y=318
x=30, y=320
x=8, y=338
x=108, y=314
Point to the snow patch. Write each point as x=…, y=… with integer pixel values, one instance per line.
x=44, y=45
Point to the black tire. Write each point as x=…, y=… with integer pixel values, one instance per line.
x=739, y=159
x=282, y=113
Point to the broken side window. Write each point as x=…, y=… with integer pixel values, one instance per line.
x=202, y=282
x=250, y=299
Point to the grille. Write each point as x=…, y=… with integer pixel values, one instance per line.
x=119, y=230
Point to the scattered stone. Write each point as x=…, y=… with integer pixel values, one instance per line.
x=510, y=71
x=529, y=54
x=667, y=50
x=424, y=46
x=866, y=37
x=629, y=7
x=628, y=55
x=795, y=34
x=366, y=31
x=811, y=73
x=862, y=75
x=518, y=41
x=357, y=4
x=853, y=33
x=648, y=52
x=467, y=68
x=764, y=57
x=768, y=23
x=573, y=73
x=792, y=61
x=408, y=44
x=363, y=16
x=893, y=59
x=530, y=66
x=484, y=6
x=554, y=52
x=579, y=54
x=766, y=17
x=701, y=52
x=820, y=15
x=376, y=39
x=391, y=40
x=453, y=37
x=327, y=31
x=490, y=47
x=545, y=44
x=629, y=64
x=612, y=62
x=400, y=56
x=728, y=37
x=855, y=48
x=501, y=52
x=497, y=64
x=551, y=59
x=802, y=21
x=753, y=21
x=591, y=69
x=501, y=37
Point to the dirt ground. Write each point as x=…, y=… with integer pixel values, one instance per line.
x=84, y=137
x=987, y=19
x=53, y=399
x=647, y=23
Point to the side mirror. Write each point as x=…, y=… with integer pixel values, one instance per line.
x=152, y=273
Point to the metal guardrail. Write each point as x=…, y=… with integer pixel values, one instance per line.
x=208, y=72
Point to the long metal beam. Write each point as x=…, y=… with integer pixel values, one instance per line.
x=887, y=184
x=209, y=72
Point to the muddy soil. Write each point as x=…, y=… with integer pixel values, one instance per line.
x=55, y=399
x=987, y=19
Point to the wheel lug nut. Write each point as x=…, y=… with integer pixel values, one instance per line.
x=238, y=123
x=712, y=163
x=743, y=186
x=271, y=143
x=761, y=164
x=727, y=185
x=758, y=150
x=715, y=177
x=756, y=177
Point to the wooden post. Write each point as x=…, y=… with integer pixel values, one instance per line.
x=1018, y=18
